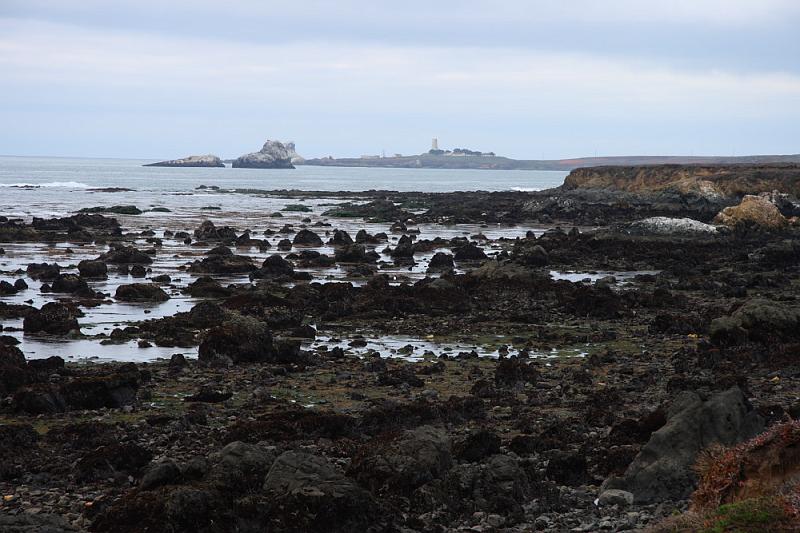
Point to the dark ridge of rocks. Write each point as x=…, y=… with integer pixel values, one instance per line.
x=126, y=255
x=141, y=292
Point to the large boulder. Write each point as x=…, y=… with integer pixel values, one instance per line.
x=89, y=268
x=663, y=468
x=274, y=267
x=239, y=339
x=757, y=320
x=274, y=154
x=54, y=318
x=141, y=292
x=403, y=463
x=307, y=493
x=753, y=210
x=306, y=237
x=208, y=160
x=469, y=252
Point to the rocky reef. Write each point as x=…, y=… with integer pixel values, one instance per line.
x=274, y=154
x=640, y=371
x=191, y=161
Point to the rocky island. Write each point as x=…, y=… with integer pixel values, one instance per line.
x=191, y=161
x=619, y=353
x=274, y=154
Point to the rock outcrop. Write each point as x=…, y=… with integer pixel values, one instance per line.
x=663, y=468
x=670, y=226
x=191, y=161
x=753, y=210
x=274, y=154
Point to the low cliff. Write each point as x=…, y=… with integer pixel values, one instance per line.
x=191, y=161
x=720, y=181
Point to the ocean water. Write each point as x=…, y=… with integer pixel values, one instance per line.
x=47, y=187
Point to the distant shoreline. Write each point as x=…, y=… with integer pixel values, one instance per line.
x=504, y=163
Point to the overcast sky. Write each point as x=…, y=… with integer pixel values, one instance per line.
x=525, y=78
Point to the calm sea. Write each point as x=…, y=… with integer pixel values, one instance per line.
x=55, y=185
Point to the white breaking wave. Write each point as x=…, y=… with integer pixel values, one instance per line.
x=526, y=189
x=63, y=184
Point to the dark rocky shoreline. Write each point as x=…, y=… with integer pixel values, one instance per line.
x=269, y=431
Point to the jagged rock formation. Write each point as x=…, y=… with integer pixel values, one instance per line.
x=191, y=161
x=296, y=158
x=274, y=154
x=712, y=182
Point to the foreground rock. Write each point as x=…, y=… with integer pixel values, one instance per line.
x=274, y=154
x=191, y=161
x=663, y=469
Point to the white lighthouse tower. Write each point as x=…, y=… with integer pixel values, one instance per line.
x=434, y=144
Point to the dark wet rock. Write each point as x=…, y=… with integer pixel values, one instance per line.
x=441, y=262
x=106, y=461
x=114, y=209
x=241, y=466
x=39, y=399
x=114, y=390
x=36, y=523
x=375, y=211
x=43, y=271
x=20, y=284
x=220, y=250
x=207, y=231
x=663, y=469
x=477, y=446
x=177, y=361
x=469, y=252
x=72, y=284
x=126, y=255
x=397, y=376
x=362, y=237
x=355, y=253
x=401, y=463
x=284, y=245
x=340, y=238
x=529, y=253
x=499, y=484
x=94, y=269
x=209, y=395
x=567, y=468
x=164, y=472
x=141, y=292
x=162, y=278
x=14, y=373
x=757, y=320
x=223, y=264
x=274, y=267
x=306, y=493
x=207, y=287
x=514, y=372
x=239, y=339
x=7, y=289
x=306, y=237
x=138, y=271
x=54, y=318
